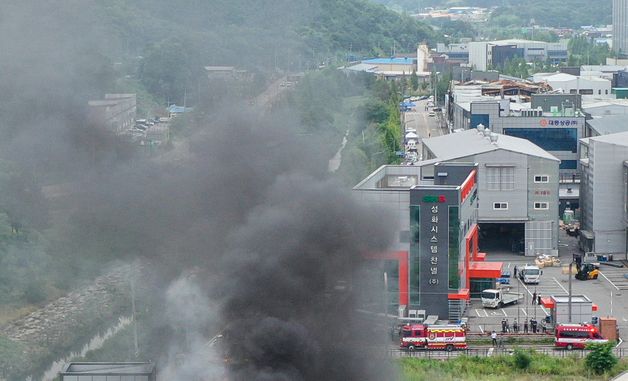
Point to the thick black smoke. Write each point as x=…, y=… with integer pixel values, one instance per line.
x=288, y=312
x=241, y=225
x=250, y=207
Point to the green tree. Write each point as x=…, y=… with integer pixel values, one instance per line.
x=601, y=358
x=414, y=81
x=169, y=68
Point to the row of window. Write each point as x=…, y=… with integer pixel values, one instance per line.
x=587, y=91
x=504, y=206
x=503, y=178
x=550, y=139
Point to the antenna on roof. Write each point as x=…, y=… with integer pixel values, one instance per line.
x=480, y=128
x=487, y=132
x=494, y=137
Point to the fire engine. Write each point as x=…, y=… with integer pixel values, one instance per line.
x=572, y=336
x=447, y=337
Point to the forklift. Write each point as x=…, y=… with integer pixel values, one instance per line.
x=586, y=270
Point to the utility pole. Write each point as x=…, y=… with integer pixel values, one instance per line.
x=569, y=299
x=135, y=345
x=385, y=294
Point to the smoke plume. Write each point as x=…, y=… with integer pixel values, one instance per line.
x=255, y=249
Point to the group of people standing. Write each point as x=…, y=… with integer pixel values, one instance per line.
x=528, y=326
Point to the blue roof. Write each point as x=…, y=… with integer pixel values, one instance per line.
x=406, y=60
x=176, y=109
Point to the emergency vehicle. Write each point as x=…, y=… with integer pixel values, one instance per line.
x=447, y=337
x=572, y=336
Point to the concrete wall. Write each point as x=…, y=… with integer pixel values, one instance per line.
x=542, y=229
x=395, y=202
x=478, y=55
x=516, y=199
x=606, y=161
x=541, y=225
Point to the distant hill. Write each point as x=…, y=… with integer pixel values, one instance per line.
x=56, y=55
x=270, y=33
x=566, y=13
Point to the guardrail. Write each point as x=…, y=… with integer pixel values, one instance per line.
x=488, y=351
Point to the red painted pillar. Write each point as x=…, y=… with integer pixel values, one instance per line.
x=404, y=297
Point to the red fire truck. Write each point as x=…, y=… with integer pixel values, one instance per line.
x=572, y=336
x=447, y=337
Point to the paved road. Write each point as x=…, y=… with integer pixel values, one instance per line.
x=419, y=120
x=608, y=292
x=426, y=126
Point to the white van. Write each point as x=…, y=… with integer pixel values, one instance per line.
x=530, y=274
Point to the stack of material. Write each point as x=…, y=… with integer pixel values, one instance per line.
x=608, y=328
x=546, y=261
x=565, y=270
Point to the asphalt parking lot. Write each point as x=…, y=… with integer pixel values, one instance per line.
x=609, y=292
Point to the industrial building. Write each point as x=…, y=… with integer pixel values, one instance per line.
x=485, y=55
x=605, y=116
x=116, y=113
x=512, y=188
x=458, y=52
x=604, y=193
x=586, y=85
x=620, y=27
x=108, y=371
x=518, y=188
x=555, y=123
x=437, y=249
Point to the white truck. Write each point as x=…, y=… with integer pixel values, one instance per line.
x=497, y=298
x=530, y=274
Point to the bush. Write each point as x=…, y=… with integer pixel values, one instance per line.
x=601, y=358
x=522, y=359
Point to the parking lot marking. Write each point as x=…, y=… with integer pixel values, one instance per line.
x=524, y=312
x=481, y=329
x=544, y=310
x=609, y=281
x=504, y=311
x=524, y=286
x=486, y=312
x=478, y=312
x=560, y=285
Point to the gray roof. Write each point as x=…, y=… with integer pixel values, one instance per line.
x=620, y=139
x=470, y=142
x=609, y=124
x=108, y=368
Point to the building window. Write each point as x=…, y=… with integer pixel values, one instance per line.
x=599, y=92
x=541, y=206
x=606, y=91
x=500, y=206
x=550, y=139
x=568, y=164
x=541, y=179
x=500, y=178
